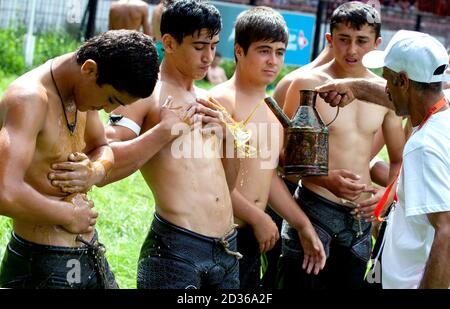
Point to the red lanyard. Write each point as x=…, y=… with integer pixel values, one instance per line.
x=383, y=201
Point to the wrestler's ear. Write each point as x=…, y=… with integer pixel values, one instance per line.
x=169, y=43
x=238, y=51
x=378, y=42
x=329, y=39
x=89, y=69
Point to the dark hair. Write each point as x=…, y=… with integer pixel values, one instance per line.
x=356, y=14
x=186, y=17
x=126, y=60
x=260, y=24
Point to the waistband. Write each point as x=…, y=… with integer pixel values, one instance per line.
x=23, y=246
x=308, y=194
x=160, y=226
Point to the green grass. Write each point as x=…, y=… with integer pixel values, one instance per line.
x=125, y=213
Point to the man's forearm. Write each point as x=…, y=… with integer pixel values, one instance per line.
x=437, y=269
x=22, y=202
x=131, y=155
x=283, y=203
x=102, y=159
x=372, y=91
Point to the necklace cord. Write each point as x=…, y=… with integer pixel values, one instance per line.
x=70, y=126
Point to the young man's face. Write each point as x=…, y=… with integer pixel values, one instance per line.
x=264, y=60
x=195, y=54
x=350, y=45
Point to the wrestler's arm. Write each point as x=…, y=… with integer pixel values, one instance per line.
x=437, y=269
x=24, y=117
x=282, y=202
x=131, y=152
x=394, y=137
x=264, y=229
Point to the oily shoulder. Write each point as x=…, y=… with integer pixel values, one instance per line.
x=23, y=99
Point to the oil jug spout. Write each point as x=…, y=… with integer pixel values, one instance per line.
x=275, y=108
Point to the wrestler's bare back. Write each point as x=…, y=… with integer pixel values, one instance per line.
x=127, y=15
x=54, y=143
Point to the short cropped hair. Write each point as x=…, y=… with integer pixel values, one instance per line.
x=356, y=14
x=126, y=60
x=260, y=24
x=185, y=17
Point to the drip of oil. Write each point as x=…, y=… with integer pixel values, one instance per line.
x=240, y=134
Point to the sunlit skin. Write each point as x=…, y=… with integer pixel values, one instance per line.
x=189, y=192
x=35, y=166
x=255, y=186
x=351, y=135
x=129, y=14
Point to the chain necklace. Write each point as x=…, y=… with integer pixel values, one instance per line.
x=70, y=126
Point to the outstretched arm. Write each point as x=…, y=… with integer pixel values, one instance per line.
x=341, y=92
x=131, y=152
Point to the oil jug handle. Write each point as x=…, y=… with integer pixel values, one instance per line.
x=337, y=113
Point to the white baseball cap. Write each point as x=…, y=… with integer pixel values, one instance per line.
x=416, y=53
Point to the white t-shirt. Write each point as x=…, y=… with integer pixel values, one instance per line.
x=423, y=187
x=447, y=93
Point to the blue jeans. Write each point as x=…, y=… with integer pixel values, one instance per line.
x=175, y=258
x=347, y=253
x=28, y=265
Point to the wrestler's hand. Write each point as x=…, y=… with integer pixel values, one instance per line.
x=365, y=209
x=84, y=217
x=314, y=255
x=209, y=116
x=266, y=232
x=337, y=92
x=171, y=118
x=78, y=174
x=342, y=183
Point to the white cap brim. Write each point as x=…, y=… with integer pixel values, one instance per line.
x=374, y=59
